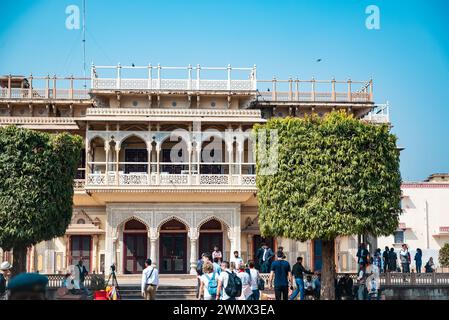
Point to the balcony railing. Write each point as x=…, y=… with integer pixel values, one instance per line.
x=164, y=78
x=64, y=88
x=153, y=179
x=315, y=90
x=379, y=114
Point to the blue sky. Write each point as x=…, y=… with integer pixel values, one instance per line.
x=408, y=57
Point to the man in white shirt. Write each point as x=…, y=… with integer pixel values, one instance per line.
x=223, y=282
x=236, y=259
x=150, y=281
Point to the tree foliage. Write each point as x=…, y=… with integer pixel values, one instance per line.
x=36, y=185
x=336, y=176
x=444, y=255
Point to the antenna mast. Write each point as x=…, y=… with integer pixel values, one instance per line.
x=84, y=43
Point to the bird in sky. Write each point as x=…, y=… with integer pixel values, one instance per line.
x=318, y=60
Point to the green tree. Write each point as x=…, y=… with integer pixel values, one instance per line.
x=443, y=256
x=36, y=188
x=336, y=176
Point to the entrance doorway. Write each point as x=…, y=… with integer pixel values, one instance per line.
x=173, y=247
x=80, y=249
x=211, y=235
x=135, y=247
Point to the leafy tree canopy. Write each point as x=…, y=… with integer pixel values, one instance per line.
x=336, y=176
x=444, y=255
x=36, y=185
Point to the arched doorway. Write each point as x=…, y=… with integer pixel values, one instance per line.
x=173, y=247
x=211, y=235
x=135, y=247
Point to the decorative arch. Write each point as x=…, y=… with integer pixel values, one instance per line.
x=122, y=224
x=226, y=226
x=129, y=135
x=163, y=221
x=99, y=136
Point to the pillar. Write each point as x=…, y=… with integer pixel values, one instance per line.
x=193, y=236
x=153, y=247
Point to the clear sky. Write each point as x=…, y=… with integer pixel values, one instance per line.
x=408, y=57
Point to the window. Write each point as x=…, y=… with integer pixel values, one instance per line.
x=399, y=236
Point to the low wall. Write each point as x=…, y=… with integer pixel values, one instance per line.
x=415, y=293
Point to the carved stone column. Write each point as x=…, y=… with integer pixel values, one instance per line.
x=193, y=235
x=154, y=236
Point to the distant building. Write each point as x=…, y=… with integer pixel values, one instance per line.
x=424, y=222
x=133, y=197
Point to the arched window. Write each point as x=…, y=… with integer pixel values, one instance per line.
x=81, y=221
x=211, y=225
x=134, y=225
x=173, y=225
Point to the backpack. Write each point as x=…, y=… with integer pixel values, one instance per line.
x=2, y=284
x=234, y=287
x=213, y=284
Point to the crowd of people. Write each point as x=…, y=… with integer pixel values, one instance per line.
x=390, y=261
x=237, y=280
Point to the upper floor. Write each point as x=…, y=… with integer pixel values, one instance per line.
x=174, y=88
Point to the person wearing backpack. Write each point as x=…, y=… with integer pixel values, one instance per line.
x=229, y=284
x=209, y=282
x=4, y=275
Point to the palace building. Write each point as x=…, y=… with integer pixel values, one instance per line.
x=167, y=169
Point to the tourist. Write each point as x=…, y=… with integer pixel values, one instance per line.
x=345, y=287
x=372, y=286
x=246, y=283
x=392, y=260
x=361, y=282
x=385, y=259
x=82, y=272
x=430, y=266
x=404, y=256
x=150, y=281
x=264, y=256
x=205, y=257
x=418, y=260
x=28, y=286
x=209, y=282
x=236, y=259
x=5, y=273
x=309, y=287
x=217, y=254
x=280, y=270
x=362, y=255
x=377, y=261
x=228, y=287
x=254, y=278
x=216, y=265
x=298, y=271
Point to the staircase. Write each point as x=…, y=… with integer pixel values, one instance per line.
x=164, y=292
x=171, y=287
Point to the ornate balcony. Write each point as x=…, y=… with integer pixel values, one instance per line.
x=123, y=180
